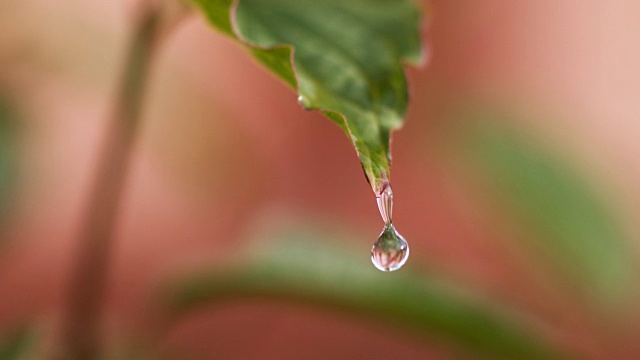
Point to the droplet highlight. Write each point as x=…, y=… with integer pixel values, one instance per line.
x=391, y=251
x=304, y=102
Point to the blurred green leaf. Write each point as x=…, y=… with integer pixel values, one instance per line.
x=572, y=227
x=8, y=163
x=302, y=270
x=17, y=345
x=343, y=57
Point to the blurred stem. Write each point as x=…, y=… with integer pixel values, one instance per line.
x=81, y=325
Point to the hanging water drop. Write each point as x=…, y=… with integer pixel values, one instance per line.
x=385, y=204
x=391, y=250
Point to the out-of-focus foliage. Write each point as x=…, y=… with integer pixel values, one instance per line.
x=529, y=54
x=301, y=267
x=343, y=57
x=568, y=224
x=16, y=345
x=8, y=162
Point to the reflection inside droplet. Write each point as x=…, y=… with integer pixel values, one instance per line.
x=391, y=250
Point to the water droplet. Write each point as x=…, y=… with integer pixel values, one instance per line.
x=304, y=102
x=385, y=203
x=391, y=250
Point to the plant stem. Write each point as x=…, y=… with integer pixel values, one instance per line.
x=82, y=322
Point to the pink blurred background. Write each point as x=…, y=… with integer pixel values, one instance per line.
x=224, y=148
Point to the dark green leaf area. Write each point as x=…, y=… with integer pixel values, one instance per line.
x=8, y=155
x=17, y=344
x=218, y=13
x=344, y=58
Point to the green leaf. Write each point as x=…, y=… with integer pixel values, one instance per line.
x=571, y=227
x=302, y=268
x=343, y=57
x=8, y=156
x=17, y=345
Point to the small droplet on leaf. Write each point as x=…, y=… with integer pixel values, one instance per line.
x=304, y=102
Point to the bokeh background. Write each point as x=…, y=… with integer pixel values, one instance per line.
x=515, y=179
